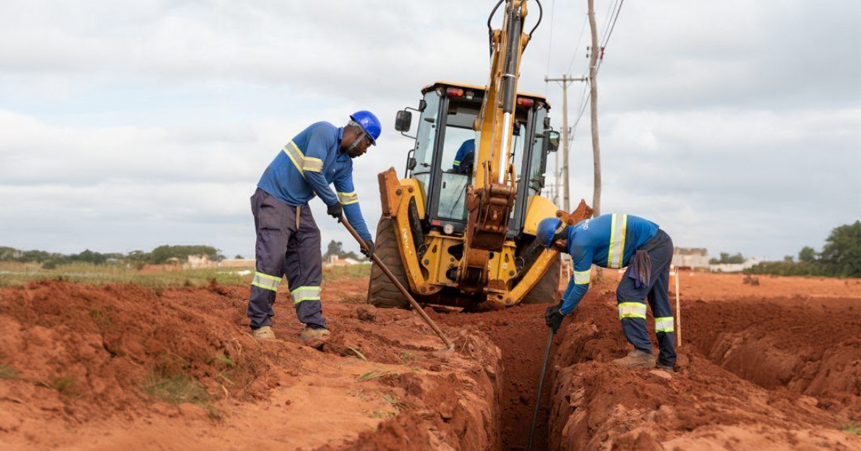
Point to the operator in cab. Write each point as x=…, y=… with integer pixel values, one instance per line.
x=617, y=241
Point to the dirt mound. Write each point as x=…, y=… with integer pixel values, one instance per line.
x=98, y=346
x=122, y=367
x=702, y=406
x=808, y=350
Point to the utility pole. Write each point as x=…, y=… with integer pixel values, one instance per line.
x=593, y=86
x=564, y=82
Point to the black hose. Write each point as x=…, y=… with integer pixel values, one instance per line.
x=489, y=28
x=540, y=15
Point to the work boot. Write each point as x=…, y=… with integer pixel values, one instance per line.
x=263, y=333
x=667, y=369
x=314, y=336
x=636, y=359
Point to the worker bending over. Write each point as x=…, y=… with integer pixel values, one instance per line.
x=288, y=240
x=616, y=241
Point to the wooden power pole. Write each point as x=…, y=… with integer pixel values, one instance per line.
x=564, y=82
x=593, y=91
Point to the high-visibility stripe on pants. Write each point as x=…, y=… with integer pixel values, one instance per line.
x=266, y=281
x=664, y=324
x=632, y=310
x=305, y=294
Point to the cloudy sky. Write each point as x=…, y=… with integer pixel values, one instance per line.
x=736, y=125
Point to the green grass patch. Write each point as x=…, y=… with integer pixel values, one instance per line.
x=176, y=389
x=852, y=428
x=7, y=373
x=15, y=274
x=346, y=272
x=66, y=385
x=102, y=318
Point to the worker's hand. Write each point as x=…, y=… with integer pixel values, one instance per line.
x=553, y=317
x=368, y=248
x=335, y=210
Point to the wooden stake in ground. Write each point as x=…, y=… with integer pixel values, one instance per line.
x=388, y=273
x=678, y=312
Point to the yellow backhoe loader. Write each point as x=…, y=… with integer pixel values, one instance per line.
x=459, y=228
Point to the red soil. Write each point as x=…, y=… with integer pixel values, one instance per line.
x=708, y=404
x=775, y=366
x=83, y=356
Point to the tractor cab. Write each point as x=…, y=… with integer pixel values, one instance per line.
x=445, y=152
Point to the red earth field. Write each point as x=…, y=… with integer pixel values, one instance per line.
x=770, y=364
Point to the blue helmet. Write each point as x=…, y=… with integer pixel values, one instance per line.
x=548, y=228
x=369, y=123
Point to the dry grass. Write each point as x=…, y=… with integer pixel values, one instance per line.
x=16, y=274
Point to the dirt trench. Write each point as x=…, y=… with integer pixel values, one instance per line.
x=752, y=374
x=521, y=335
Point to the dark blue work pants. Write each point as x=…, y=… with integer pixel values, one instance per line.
x=660, y=249
x=288, y=242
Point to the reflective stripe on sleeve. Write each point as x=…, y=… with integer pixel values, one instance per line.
x=305, y=294
x=617, y=241
x=456, y=163
x=632, y=310
x=266, y=281
x=348, y=198
x=312, y=164
x=582, y=277
x=296, y=156
x=664, y=324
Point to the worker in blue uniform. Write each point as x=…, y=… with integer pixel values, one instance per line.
x=616, y=241
x=464, y=158
x=288, y=240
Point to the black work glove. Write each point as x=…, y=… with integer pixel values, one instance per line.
x=335, y=210
x=368, y=248
x=553, y=317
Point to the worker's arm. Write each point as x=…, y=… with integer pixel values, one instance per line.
x=319, y=144
x=350, y=201
x=462, y=152
x=579, y=283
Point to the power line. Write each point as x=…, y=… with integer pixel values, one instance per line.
x=550, y=46
x=577, y=47
x=609, y=33
x=612, y=7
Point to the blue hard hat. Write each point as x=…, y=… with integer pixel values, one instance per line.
x=547, y=230
x=369, y=123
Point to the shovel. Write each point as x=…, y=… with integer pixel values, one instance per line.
x=387, y=272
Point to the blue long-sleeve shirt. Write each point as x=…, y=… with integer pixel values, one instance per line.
x=608, y=241
x=307, y=165
x=463, y=159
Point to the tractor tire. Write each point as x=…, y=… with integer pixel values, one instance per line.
x=547, y=289
x=382, y=292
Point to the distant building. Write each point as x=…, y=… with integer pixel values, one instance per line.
x=734, y=267
x=237, y=263
x=200, y=261
x=690, y=258
x=335, y=261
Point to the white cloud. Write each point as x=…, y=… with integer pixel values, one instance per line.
x=130, y=125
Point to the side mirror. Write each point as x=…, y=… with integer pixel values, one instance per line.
x=403, y=121
x=551, y=141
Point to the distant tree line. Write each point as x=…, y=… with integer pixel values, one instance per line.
x=159, y=255
x=336, y=248
x=840, y=257
x=726, y=258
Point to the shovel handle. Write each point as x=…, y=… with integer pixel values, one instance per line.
x=398, y=284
